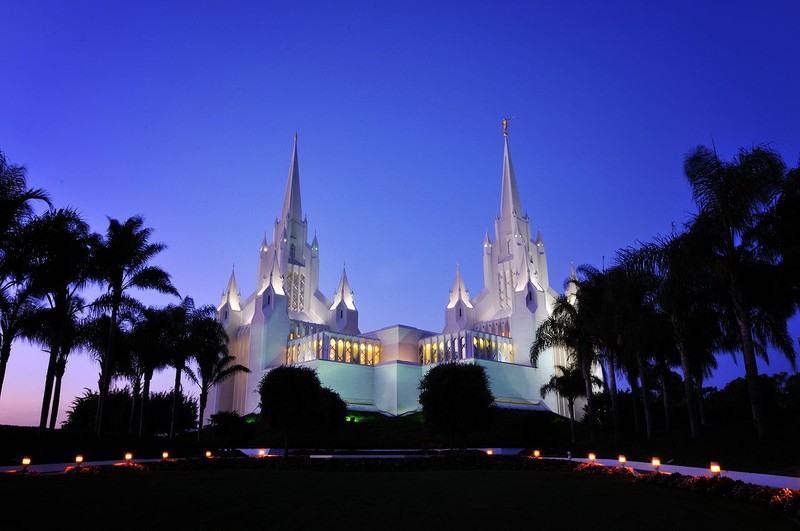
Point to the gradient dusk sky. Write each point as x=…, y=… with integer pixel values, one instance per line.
x=184, y=112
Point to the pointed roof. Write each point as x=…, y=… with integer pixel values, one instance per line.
x=486, y=241
x=275, y=278
x=571, y=290
x=459, y=292
x=291, y=200
x=527, y=277
x=344, y=293
x=509, y=195
x=231, y=293
x=315, y=243
x=264, y=245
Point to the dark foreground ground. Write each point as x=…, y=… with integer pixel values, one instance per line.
x=361, y=496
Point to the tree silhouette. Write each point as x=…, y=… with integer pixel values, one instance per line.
x=456, y=400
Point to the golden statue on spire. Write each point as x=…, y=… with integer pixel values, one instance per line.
x=505, y=126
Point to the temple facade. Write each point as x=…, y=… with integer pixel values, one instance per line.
x=287, y=319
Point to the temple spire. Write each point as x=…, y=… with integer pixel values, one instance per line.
x=291, y=200
x=509, y=195
x=344, y=293
x=459, y=292
x=231, y=293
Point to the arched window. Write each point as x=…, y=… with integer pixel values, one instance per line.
x=291, y=251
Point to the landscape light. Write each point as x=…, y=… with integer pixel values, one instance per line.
x=656, y=462
x=262, y=453
x=25, y=462
x=592, y=457
x=164, y=455
x=78, y=459
x=489, y=452
x=715, y=469
x=536, y=454
x=128, y=456
x=208, y=453
x=623, y=460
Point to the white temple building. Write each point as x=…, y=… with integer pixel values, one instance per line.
x=289, y=320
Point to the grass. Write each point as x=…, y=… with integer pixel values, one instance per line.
x=319, y=499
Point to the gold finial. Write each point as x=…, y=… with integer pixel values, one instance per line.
x=505, y=126
x=295, y=137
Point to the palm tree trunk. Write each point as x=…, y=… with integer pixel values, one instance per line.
x=60, y=368
x=5, y=354
x=145, y=400
x=698, y=388
x=50, y=377
x=665, y=397
x=203, y=398
x=750, y=367
x=687, y=380
x=587, y=379
x=633, y=380
x=648, y=422
x=612, y=390
x=572, y=420
x=105, y=371
x=135, y=403
x=175, y=394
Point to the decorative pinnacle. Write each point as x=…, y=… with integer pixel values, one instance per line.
x=505, y=126
x=295, y=137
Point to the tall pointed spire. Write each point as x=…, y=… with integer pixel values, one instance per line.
x=344, y=293
x=291, y=200
x=459, y=292
x=509, y=196
x=275, y=278
x=231, y=293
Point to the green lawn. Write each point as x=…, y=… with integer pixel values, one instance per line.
x=259, y=498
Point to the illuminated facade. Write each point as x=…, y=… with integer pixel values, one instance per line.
x=288, y=320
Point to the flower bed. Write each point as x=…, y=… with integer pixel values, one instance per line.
x=784, y=500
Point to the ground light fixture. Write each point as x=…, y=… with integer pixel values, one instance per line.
x=78, y=460
x=489, y=452
x=208, y=453
x=164, y=455
x=622, y=460
x=656, y=462
x=536, y=454
x=592, y=457
x=26, y=461
x=262, y=453
x=715, y=469
x=128, y=457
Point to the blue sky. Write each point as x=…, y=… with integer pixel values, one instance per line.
x=185, y=113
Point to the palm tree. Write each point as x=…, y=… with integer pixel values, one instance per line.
x=121, y=262
x=570, y=327
x=18, y=299
x=15, y=198
x=183, y=320
x=214, y=364
x=731, y=199
x=149, y=342
x=60, y=270
x=568, y=385
x=16, y=296
x=42, y=326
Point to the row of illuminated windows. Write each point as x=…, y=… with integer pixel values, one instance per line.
x=453, y=348
x=354, y=352
x=345, y=349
